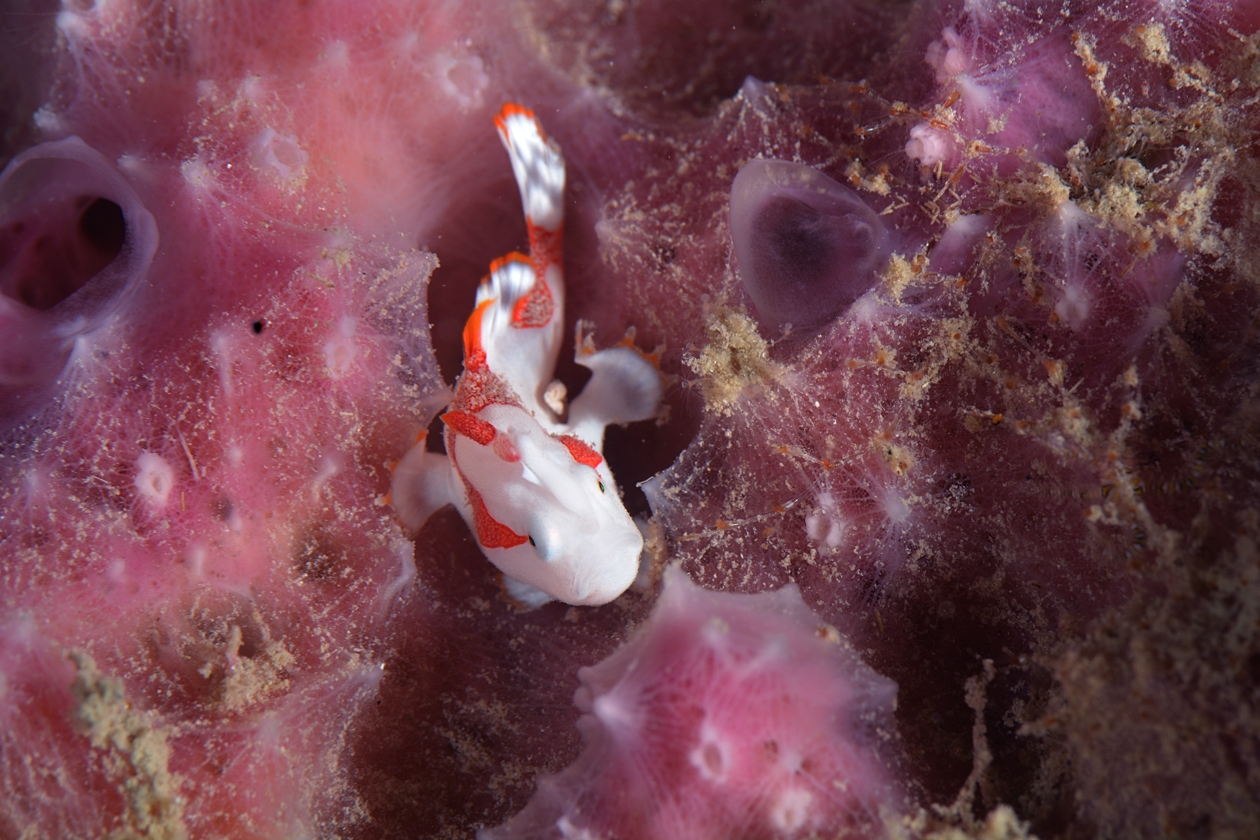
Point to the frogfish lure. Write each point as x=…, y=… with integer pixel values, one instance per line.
x=528, y=476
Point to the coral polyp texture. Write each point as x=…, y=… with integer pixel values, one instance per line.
x=953, y=305
x=725, y=716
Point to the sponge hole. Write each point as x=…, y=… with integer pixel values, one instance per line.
x=52, y=251
x=76, y=244
x=712, y=758
x=709, y=758
x=104, y=227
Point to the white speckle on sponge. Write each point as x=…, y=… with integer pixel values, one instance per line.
x=221, y=346
x=47, y=121
x=826, y=525
x=613, y=714
x=154, y=479
x=196, y=174
x=71, y=24
x=462, y=78
x=709, y=756
x=927, y=145
x=336, y=54
x=340, y=350
x=280, y=155
x=790, y=810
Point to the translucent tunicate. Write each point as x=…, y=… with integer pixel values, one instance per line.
x=807, y=247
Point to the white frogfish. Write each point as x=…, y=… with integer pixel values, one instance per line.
x=527, y=476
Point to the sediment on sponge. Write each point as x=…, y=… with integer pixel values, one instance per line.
x=726, y=715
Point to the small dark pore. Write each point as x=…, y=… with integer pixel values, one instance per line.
x=318, y=555
x=103, y=225
x=258, y=327
x=664, y=253
x=222, y=508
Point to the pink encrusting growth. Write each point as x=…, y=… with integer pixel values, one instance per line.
x=725, y=716
x=211, y=539
x=196, y=567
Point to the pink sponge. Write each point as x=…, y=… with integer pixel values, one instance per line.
x=725, y=716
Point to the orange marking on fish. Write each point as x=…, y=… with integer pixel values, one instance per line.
x=470, y=426
x=653, y=357
x=491, y=533
x=474, y=353
x=536, y=308
x=546, y=247
x=510, y=109
x=506, y=259
x=581, y=451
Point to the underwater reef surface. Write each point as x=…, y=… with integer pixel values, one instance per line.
x=967, y=356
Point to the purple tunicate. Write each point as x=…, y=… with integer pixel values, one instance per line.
x=75, y=242
x=807, y=246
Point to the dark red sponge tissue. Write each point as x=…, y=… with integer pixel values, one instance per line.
x=951, y=513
